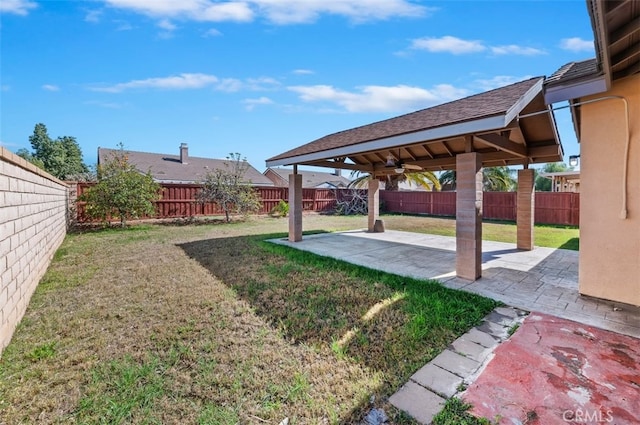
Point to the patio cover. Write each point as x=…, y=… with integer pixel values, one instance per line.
x=507, y=126
x=496, y=124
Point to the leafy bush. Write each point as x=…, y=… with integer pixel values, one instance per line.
x=281, y=209
x=122, y=191
x=227, y=188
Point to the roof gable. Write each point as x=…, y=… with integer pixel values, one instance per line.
x=169, y=168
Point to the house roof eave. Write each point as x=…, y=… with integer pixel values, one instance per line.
x=575, y=89
x=469, y=127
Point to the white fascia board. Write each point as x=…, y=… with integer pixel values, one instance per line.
x=577, y=90
x=522, y=103
x=453, y=130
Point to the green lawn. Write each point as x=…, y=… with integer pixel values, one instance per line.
x=552, y=236
x=209, y=324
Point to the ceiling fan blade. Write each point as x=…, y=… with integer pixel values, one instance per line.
x=412, y=167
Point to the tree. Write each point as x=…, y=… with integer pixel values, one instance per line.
x=494, y=179
x=227, y=188
x=425, y=179
x=543, y=184
x=61, y=158
x=26, y=155
x=498, y=179
x=121, y=191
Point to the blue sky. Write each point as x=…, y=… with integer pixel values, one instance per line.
x=260, y=77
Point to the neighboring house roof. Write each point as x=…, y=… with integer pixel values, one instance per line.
x=566, y=174
x=280, y=177
x=433, y=137
x=179, y=168
x=616, y=27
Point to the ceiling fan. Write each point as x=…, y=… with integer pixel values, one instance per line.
x=398, y=165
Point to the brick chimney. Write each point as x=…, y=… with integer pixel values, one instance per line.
x=184, y=153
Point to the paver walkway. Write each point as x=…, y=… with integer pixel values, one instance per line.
x=543, y=280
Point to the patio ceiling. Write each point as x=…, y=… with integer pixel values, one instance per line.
x=501, y=124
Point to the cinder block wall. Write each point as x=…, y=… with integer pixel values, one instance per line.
x=33, y=223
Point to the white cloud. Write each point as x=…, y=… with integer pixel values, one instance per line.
x=499, y=81
x=296, y=11
x=275, y=11
x=176, y=82
x=8, y=144
x=576, y=44
x=17, y=7
x=302, y=72
x=50, y=87
x=212, y=33
x=230, y=85
x=253, y=84
x=166, y=25
x=197, y=10
x=458, y=46
x=380, y=98
x=449, y=44
x=123, y=25
x=93, y=16
x=252, y=103
x=514, y=49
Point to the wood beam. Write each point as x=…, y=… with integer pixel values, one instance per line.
x=411, y=155
x=341, y=165
x=624, y=32
x=444, y=143
x=381, y=157
x=627, y=71
x=468, y=144
x=504, y=144
x=426, y=148
x=628, y=54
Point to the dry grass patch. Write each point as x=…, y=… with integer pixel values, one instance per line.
x=211, y=325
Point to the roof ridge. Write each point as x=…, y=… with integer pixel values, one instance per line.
x=437, y=106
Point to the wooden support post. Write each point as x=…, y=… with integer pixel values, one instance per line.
x=525, y=207
x=469, y=216
x=373, y=203
x=295, y=207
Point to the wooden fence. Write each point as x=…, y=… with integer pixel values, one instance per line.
x=550, y=208
x=179, y=200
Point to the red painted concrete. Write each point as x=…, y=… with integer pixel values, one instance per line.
x=555, y=371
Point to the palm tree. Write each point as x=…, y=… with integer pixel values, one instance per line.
x=498, y=179
x=494, y=179
x=425, y=179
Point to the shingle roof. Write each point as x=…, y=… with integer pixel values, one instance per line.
x=168, y=168
x=313, y=178
x=573, y=71
x=487, y=104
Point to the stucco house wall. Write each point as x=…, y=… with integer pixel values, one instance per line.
x=610, y=245
x=33, y=224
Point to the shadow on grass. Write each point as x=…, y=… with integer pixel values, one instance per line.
x=389, y=323
x=573, y=244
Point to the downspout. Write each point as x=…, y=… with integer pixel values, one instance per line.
x=625, y=164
